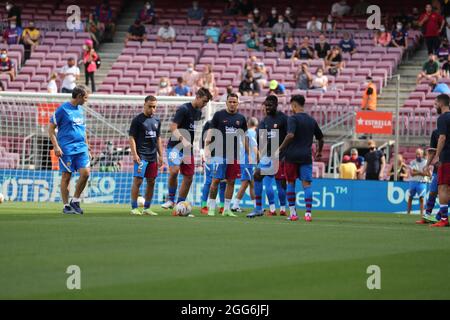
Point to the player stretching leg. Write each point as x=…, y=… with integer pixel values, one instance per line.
x=231, y=125
x=247, y=165
x=145, y=144
x=443, y=154
x=302, y=128
x=418, y=181
x=428, y=217
x=179, y=149
x=71, y=146
x=272, y=130
x=208, y=175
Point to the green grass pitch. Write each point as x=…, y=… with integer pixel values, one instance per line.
x=165, y=257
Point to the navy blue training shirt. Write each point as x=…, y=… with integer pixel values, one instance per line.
x=276, y=127
x=443, y=127
x=146, y=131
x=185, y=117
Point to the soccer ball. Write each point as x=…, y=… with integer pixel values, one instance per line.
x=140, y=201
x=2, y=198
x=183, y=208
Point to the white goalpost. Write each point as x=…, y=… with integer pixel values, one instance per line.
x=29, y=170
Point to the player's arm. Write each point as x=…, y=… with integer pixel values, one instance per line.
x=133, y=148
x=441, y=144
x=320, y=141
x=52, y=135
x=159, y=150
x=383, y=166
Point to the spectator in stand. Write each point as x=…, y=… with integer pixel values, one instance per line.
x=93, y=27
x=147, y=14
x=276, y=88
x=14, y=13
x=2, y=87
x=399, y=36
x=443, y=51
x=136, y=32
x=432, y=23
x=103, y=13
x=445, y=12
x=195, y=12
x=334, y=62
x=446, y=67
x=305, y=51
x=430, y=69
x=253, y=42
x=360, y=9
x=414, y=19
x=249, y=26
x=347, y=44
x=319, y=81
x=190, y=77
x=439, y=87
x=347, y=169
x=30, y=39
x=258, y=18
x=281, y=29
x=303, y=77
x=230, y=34
x=12, y=34
x=289, y=50
x=165, y=88
x=314, y=25
x=166, y=33
x=382, y=38
x=207, y=80
x=90, y=58
x=51, y=86
x=340, y=9
x=6, y=65
x=369, y=99
x=269, y=43
x=180, y=89
x=329, y=25
x=322, y=48
x=402, y=170
x=71, y=74
x=249, y=86
x=375, y=162
x=232, y=8
x=272, y=18
x=229, y=89
x=290, y=18
x=358, y=161
x=260, y=75
x=212, y=34
x=245, y=7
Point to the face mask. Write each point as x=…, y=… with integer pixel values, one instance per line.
x=148, y=7
x=85, y=47
x=280, y=21
x=250, y=21
x=190, y=69
x=372, y=148
x=399, y=27
x=3, y=56
x=8, y=7
x=256, y=11
x=330, y=19
x=382, y=30
x=269, y=36
x=288, y=12
x=418, y=159
x=319, y=74
x=12, y=26
x=163, y=84
x=274, y=12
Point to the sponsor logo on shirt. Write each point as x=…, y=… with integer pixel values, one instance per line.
x=192, y=126
x=150, y=134
x=230, y=130
x=78, y=121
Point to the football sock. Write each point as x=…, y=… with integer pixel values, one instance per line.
x=227, y=204
x=258, y=195
x=134, y=204
x=212, y=204
x=172, y=192
x=147, y=204
x=203, y=204
x=430, y=203
x=281, y=193
x=180, y=199
x=75, y=199
x=291, y=195
x=222, y=187
x=205, y=192
x=236, y=202
x=444, y=211
x=268, y=185
x=308, y=199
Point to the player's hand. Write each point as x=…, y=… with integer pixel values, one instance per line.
x=160, y=161
x=58, y=151
x=136, y=159
x=380, y=177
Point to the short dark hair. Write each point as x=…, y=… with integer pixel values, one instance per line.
x=299, y=99
x=179, y=79
x=232, y=95
x=203, y=92
x=444, y=99
x=150, y=98
x=79, y=90
x=271, y=99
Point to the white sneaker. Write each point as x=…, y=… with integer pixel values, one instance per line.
x=168, y=205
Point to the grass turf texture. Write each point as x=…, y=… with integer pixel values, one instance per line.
x=165, y=257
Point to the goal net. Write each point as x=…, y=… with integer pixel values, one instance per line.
x=29, y=170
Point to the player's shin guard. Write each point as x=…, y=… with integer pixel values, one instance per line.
x=222, y=187
x=258, y=195
x=134, y=204
x=180, y=199
x=205, y=193
x=147, y=204
x=431, y=201
x=291, y=197
x=268, y=184
x=308, y=199
x=172, y=192
x=281, y=193
x=444, y=211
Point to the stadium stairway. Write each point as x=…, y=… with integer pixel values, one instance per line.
x=408, y=70
x=109, y=52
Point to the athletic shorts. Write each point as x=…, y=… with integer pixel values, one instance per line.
x=247, y=171
x=419, y=188
x=444, y=173
x=434, y=183
x=293, y=171
x=74, y=162
x=281, y=175
x=175, y=158
x=222, y=170
x=145, y=169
